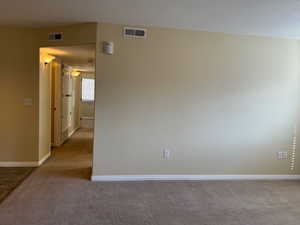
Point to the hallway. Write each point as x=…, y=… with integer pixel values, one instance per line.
x=73, y=158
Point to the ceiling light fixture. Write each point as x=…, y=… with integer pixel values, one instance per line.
x=48, y=59
x=75, y=73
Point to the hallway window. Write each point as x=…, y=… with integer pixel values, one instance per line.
x=88, y=89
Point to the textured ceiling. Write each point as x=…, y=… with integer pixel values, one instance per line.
x=278, y=18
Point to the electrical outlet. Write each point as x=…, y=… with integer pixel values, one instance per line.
x=166, y=153
x=282, y=155
x=279, y=155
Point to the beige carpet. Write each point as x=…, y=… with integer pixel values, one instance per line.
x=10, y=178
x=59, y=193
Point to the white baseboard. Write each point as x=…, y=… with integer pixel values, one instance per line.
x=193, y=177
x=26, y=164
x=56, y=145
x=44, y=158
x=19, y=164
x=72, y=132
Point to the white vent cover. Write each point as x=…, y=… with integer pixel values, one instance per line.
x=132, y=32
x=57, y=36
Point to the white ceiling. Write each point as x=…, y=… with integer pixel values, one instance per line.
x=80, y=57
x=278, y=18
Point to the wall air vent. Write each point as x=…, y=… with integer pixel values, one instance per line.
x=131, y=32
x=57, y=36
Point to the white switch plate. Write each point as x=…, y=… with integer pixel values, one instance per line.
x=27, y=101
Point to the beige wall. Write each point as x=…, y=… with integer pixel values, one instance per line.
x=17, y=120
x=45, y=79
x=56, y=101
x=77, y=34
x=20, y=80
x=76, y=103
x=222, y=104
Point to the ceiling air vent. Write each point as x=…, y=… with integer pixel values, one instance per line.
x=131, y=32
x=55, y=36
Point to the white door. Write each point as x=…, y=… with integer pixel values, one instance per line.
x=67, y=87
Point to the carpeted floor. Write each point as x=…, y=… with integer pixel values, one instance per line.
x=10, y=178
x=59, y=193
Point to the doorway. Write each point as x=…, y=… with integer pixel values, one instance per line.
x=67, y=100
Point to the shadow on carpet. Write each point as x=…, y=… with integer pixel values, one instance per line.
x=11, y=178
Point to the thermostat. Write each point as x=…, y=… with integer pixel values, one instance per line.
x=108, y=47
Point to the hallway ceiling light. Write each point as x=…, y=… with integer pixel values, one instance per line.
x=75, y=73
x=48, y=59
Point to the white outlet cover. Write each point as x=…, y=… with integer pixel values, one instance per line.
x=282, y=155
x=167, y=153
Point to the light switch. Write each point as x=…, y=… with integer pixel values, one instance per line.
x=166, y=153
x=27, y=101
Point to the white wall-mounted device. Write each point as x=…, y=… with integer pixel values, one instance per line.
x=108, y=47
